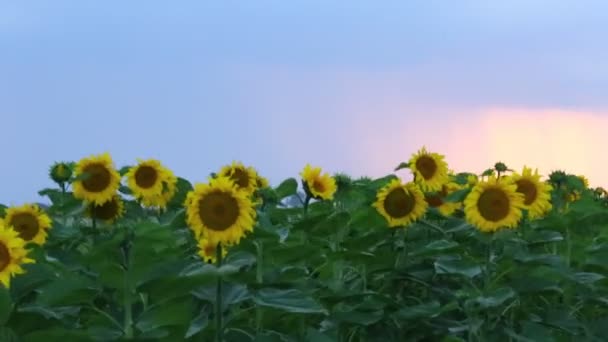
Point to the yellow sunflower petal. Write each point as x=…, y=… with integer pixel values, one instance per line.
x=30, y=222
x=320, y=186
x=400, y=204
x=96, y=179
x=219, y=211
x=429, y=169
x=494, y=204
x=12, y=254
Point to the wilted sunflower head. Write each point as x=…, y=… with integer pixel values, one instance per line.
x=429, y=169
x=219, y=211
x=400, y=204
x=245, y=178
x=537, y=194
x=108, y=212
x=317, y=185
x=96, y=179
x=29, y=221
x=208, y=251
x=494, y=204
x=12, y=254
x=61, y=172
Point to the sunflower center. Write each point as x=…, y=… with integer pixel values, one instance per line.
x=399, y=203
x=240, y=177
x=318, y=186
x=106, y=211
x=434, y=200
x=209, y=250
x=98, y=178
x=5, y=256
x=26, y=225
x=493, y=205
x=528, y=189
x=426, y=166
x=146, y=176
x=218, y=211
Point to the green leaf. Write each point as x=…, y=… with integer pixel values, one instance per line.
x=48, y=312
x=177, y=312
x=199, y=322
x=124, y=170
x=287, y=188
x=462, y=267
x=8, y=335
x=6, y=305
x=288, y=300
x=458, y=195
x=492, y=299
x=402, y=165
x=587, y=277
x=426, y=310
x=544, y=236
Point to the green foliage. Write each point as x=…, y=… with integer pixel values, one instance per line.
x=332, y=271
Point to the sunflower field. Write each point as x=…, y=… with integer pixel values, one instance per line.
x=137, y=253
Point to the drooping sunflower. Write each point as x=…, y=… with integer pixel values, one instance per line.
x=219, y=211
x=400, y=204
x=12, y=254
x=151, y=183
x=208, y=251
x=245, y=178
x=493, y=204
x=108, y=212
x=96, y=179
x=430, y=170
x=29, y=221
x=437, y=199
x=319, y=186
x=537, y=194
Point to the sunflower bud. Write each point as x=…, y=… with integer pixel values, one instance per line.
x=500, y=167
x=61, y=172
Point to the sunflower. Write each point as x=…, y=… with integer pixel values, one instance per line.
x=60, y=172
x=29, y=222
x=219, y=211
x=429, y=169
x=245, y=178
x=584, y=180
x=151, y=183
x=96, y=179
x=437, y=200
x=537, y=194
x=109, y=211
x=208, y=251
x=262, y=182
x=12, y=254
x=400, y=204
x=493, y=204
x=319, y=186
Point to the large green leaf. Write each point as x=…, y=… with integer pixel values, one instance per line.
x=287, y=188
x=465, y=268
x=291, y=300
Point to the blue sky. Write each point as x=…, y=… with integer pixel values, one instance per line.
x=351, y=86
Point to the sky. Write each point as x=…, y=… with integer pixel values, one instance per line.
x=350, y=86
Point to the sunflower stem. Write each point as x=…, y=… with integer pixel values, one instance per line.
x=259, y=278
x=568, y=247
x=128, y=314
x=306, y=202
x=219, y=333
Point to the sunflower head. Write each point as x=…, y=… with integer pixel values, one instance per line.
x=108, y=212
x=245, y=178
x=429, y=169
x=558, y=178
x=317, y=185
x=29, y=221
x=494, y=204
x=12, y=254
x=438, y=199
x=61, y=172
x=262, y=182
x=208, y=251
x=537, y=194
x=400, y=204
x=151, y=183
x=96, y=179
x=584, y=180
x=219, y=211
